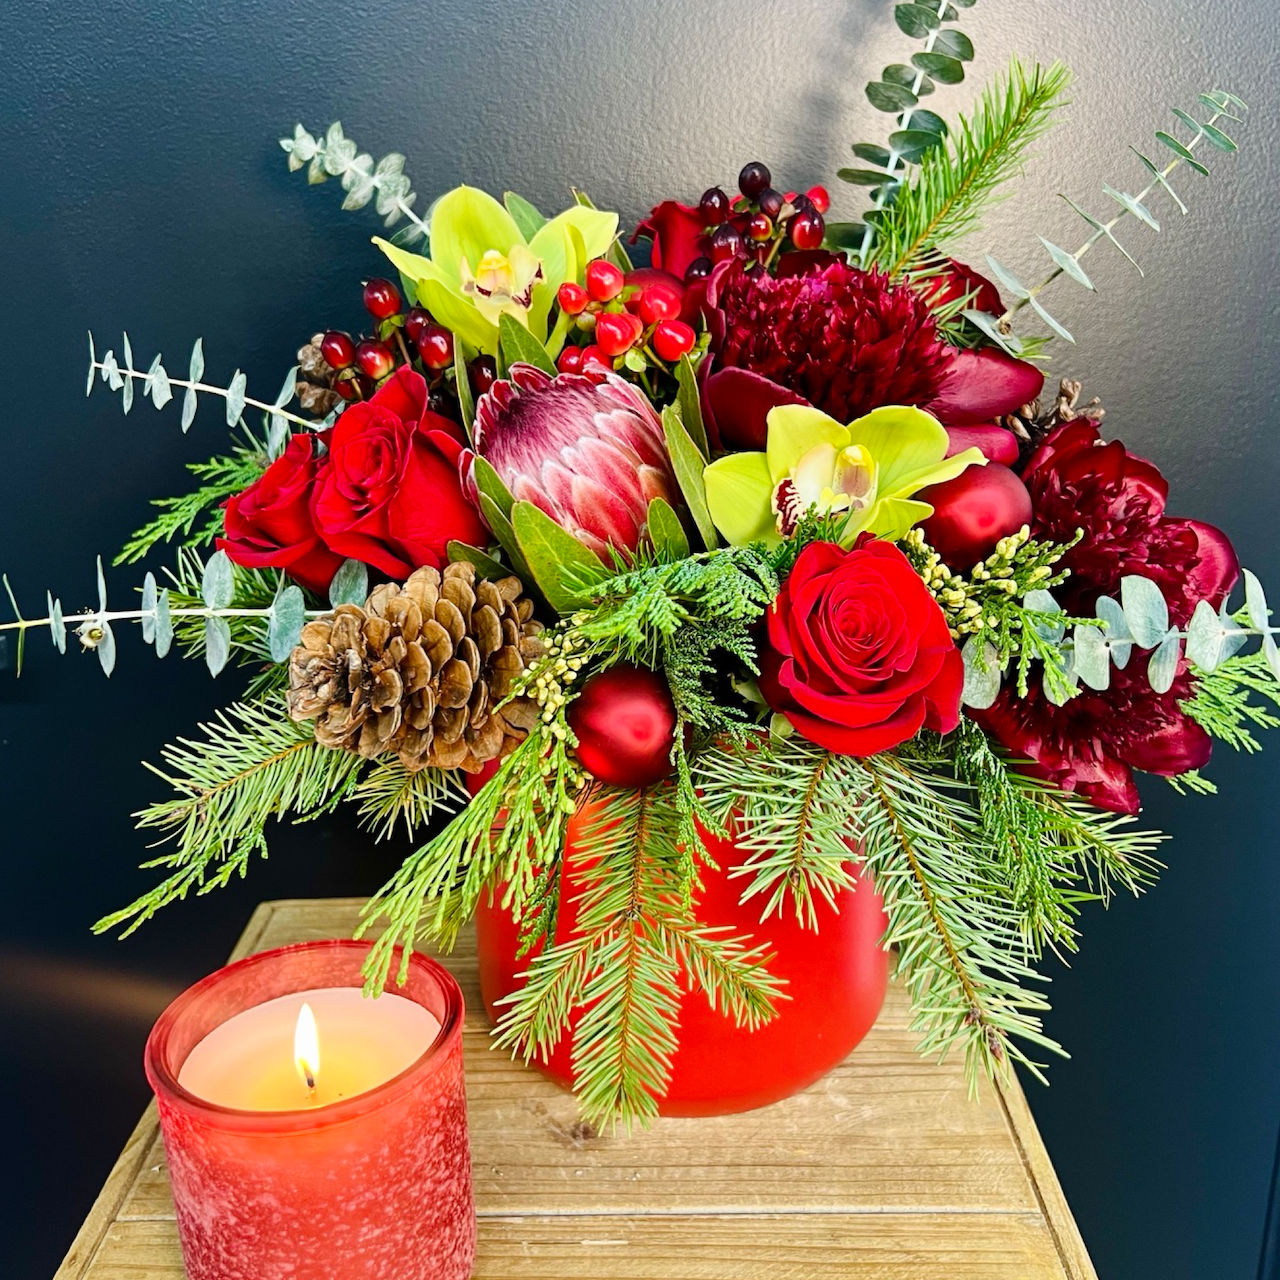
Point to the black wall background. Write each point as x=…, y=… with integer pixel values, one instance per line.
x=143, y=188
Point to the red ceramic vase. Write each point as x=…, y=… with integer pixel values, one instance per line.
x=836, y=979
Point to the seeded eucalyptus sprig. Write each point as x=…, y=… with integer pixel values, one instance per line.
x=1220, y=105
x=898, y=93
x=157, y=384
x=335, y=156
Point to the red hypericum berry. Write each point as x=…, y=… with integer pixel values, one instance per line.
x=415, y=323
x=573, y=298
x=593, y=353
x=806, y=229
x=617, y=331
x=672, y=339
x=381, y=298
x=753, y=179
x=698, y=269
x=570, y=360
x=483, y=373
x=659, y=303
x=338, y=350
x=760, y=227
x=714, y=206
x=604, y=280
x=375, y=359
x=801, y=204
x=770, y=202
x=726, y=242
x=435, y=346
x=347, y=388
x=820, y=197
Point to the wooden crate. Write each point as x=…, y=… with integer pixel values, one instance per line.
x=886, y=1169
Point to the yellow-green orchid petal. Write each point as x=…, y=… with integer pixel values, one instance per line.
x=739, y=489
x=468, y=223
x=596, y=227
x=890, y=518
x=502, y=283
x=458, y=314
x=905, y=440
x=794, y=430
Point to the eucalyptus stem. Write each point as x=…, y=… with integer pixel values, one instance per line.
x=904, y=121
x=208, y=387
x=136, y=615
x=1105, y=230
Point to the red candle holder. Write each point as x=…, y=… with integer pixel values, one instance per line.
x=369, y=1187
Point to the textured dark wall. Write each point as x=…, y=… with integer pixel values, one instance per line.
x=143, y=188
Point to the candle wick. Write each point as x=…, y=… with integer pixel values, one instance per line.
x=311, y=1080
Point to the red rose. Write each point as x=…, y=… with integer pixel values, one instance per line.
x=859, y=657
x=269, y=524
x=679, y=235
x=959, y=280
x=390, y=495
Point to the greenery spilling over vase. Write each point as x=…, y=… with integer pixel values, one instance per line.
x=776, y=538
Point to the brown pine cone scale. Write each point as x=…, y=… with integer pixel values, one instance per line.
x=422, y=670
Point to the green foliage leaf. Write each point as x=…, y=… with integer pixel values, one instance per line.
x=1213, y=135
x=942, y=67
x=916, y=20
x=285, y=622
x=688, y=463
x=350, y=584
x=519, y=346
x=666, y=532
x=1067, y=262
x=217, y=587
x=912, y=143
x=890, y=97
x=526, y=217
x=563, y=568
x=1181, y=152
x=954, y=44
x=1255, y=599
x=1145, y=610
x=1060, y=329
x=689, y=401
x=1157, y=176
x=872, y=153
x=861, y=177
x=462, y=385
x=106, y=649
x=909, y=78
x=490, y=485
x=1007, y=278
x=1133, y=205
x=485, y=565
x=1103, y=230
x=217, y=643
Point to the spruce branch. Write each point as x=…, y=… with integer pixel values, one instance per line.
x=956, y=181
x=251, y=765
x=1224, y=700
x=390, y=794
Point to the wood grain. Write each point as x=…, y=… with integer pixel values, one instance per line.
x=884, y=1169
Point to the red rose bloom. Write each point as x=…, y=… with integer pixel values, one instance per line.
x=1093, y=743
x=269, y=525
x=859, y=657
x=679, y=235
x=390, y=495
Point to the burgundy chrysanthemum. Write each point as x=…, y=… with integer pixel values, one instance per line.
x=1093, y=743
x=848, y=341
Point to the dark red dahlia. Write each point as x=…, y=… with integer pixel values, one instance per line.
x=1093, y=743
x=848, y=341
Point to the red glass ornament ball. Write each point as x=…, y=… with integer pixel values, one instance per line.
x=973, y=512
x=625, y=722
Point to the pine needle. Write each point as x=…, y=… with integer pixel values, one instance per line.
x=957, y=181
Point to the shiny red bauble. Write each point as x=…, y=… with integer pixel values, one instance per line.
x=973, y=512
x=625, y=723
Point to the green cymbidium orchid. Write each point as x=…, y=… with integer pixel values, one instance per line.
x=482, y=267
x=871, y=469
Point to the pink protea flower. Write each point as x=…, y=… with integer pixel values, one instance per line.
x=587, y=450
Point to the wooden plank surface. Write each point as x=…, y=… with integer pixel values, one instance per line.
x=884, y=1169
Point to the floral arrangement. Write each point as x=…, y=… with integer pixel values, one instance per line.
x=777, y=536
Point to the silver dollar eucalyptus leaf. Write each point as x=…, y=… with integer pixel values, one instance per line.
x=1163, y=666
x=284, y=628
x=150, y=596
x=1119, y=641
x=1205, y=636
x=217, y=585
x=1144, y=610
x=1255, y=599
x=1092, y=656
x=126, y=397
x=350, y=584
x=164, y=625
x=106, y=648
x=981, y=673
x=217, y=643
x=57, y=626
x=235, y=398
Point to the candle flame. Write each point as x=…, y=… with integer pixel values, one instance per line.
x=306, y=1047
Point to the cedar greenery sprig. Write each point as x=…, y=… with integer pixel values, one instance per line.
x=1220, y=105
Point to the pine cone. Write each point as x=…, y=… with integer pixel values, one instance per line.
x=421, y=671
x=1036, y=420
x=315, y=380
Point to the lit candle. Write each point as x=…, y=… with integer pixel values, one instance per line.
x=312, y=1133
